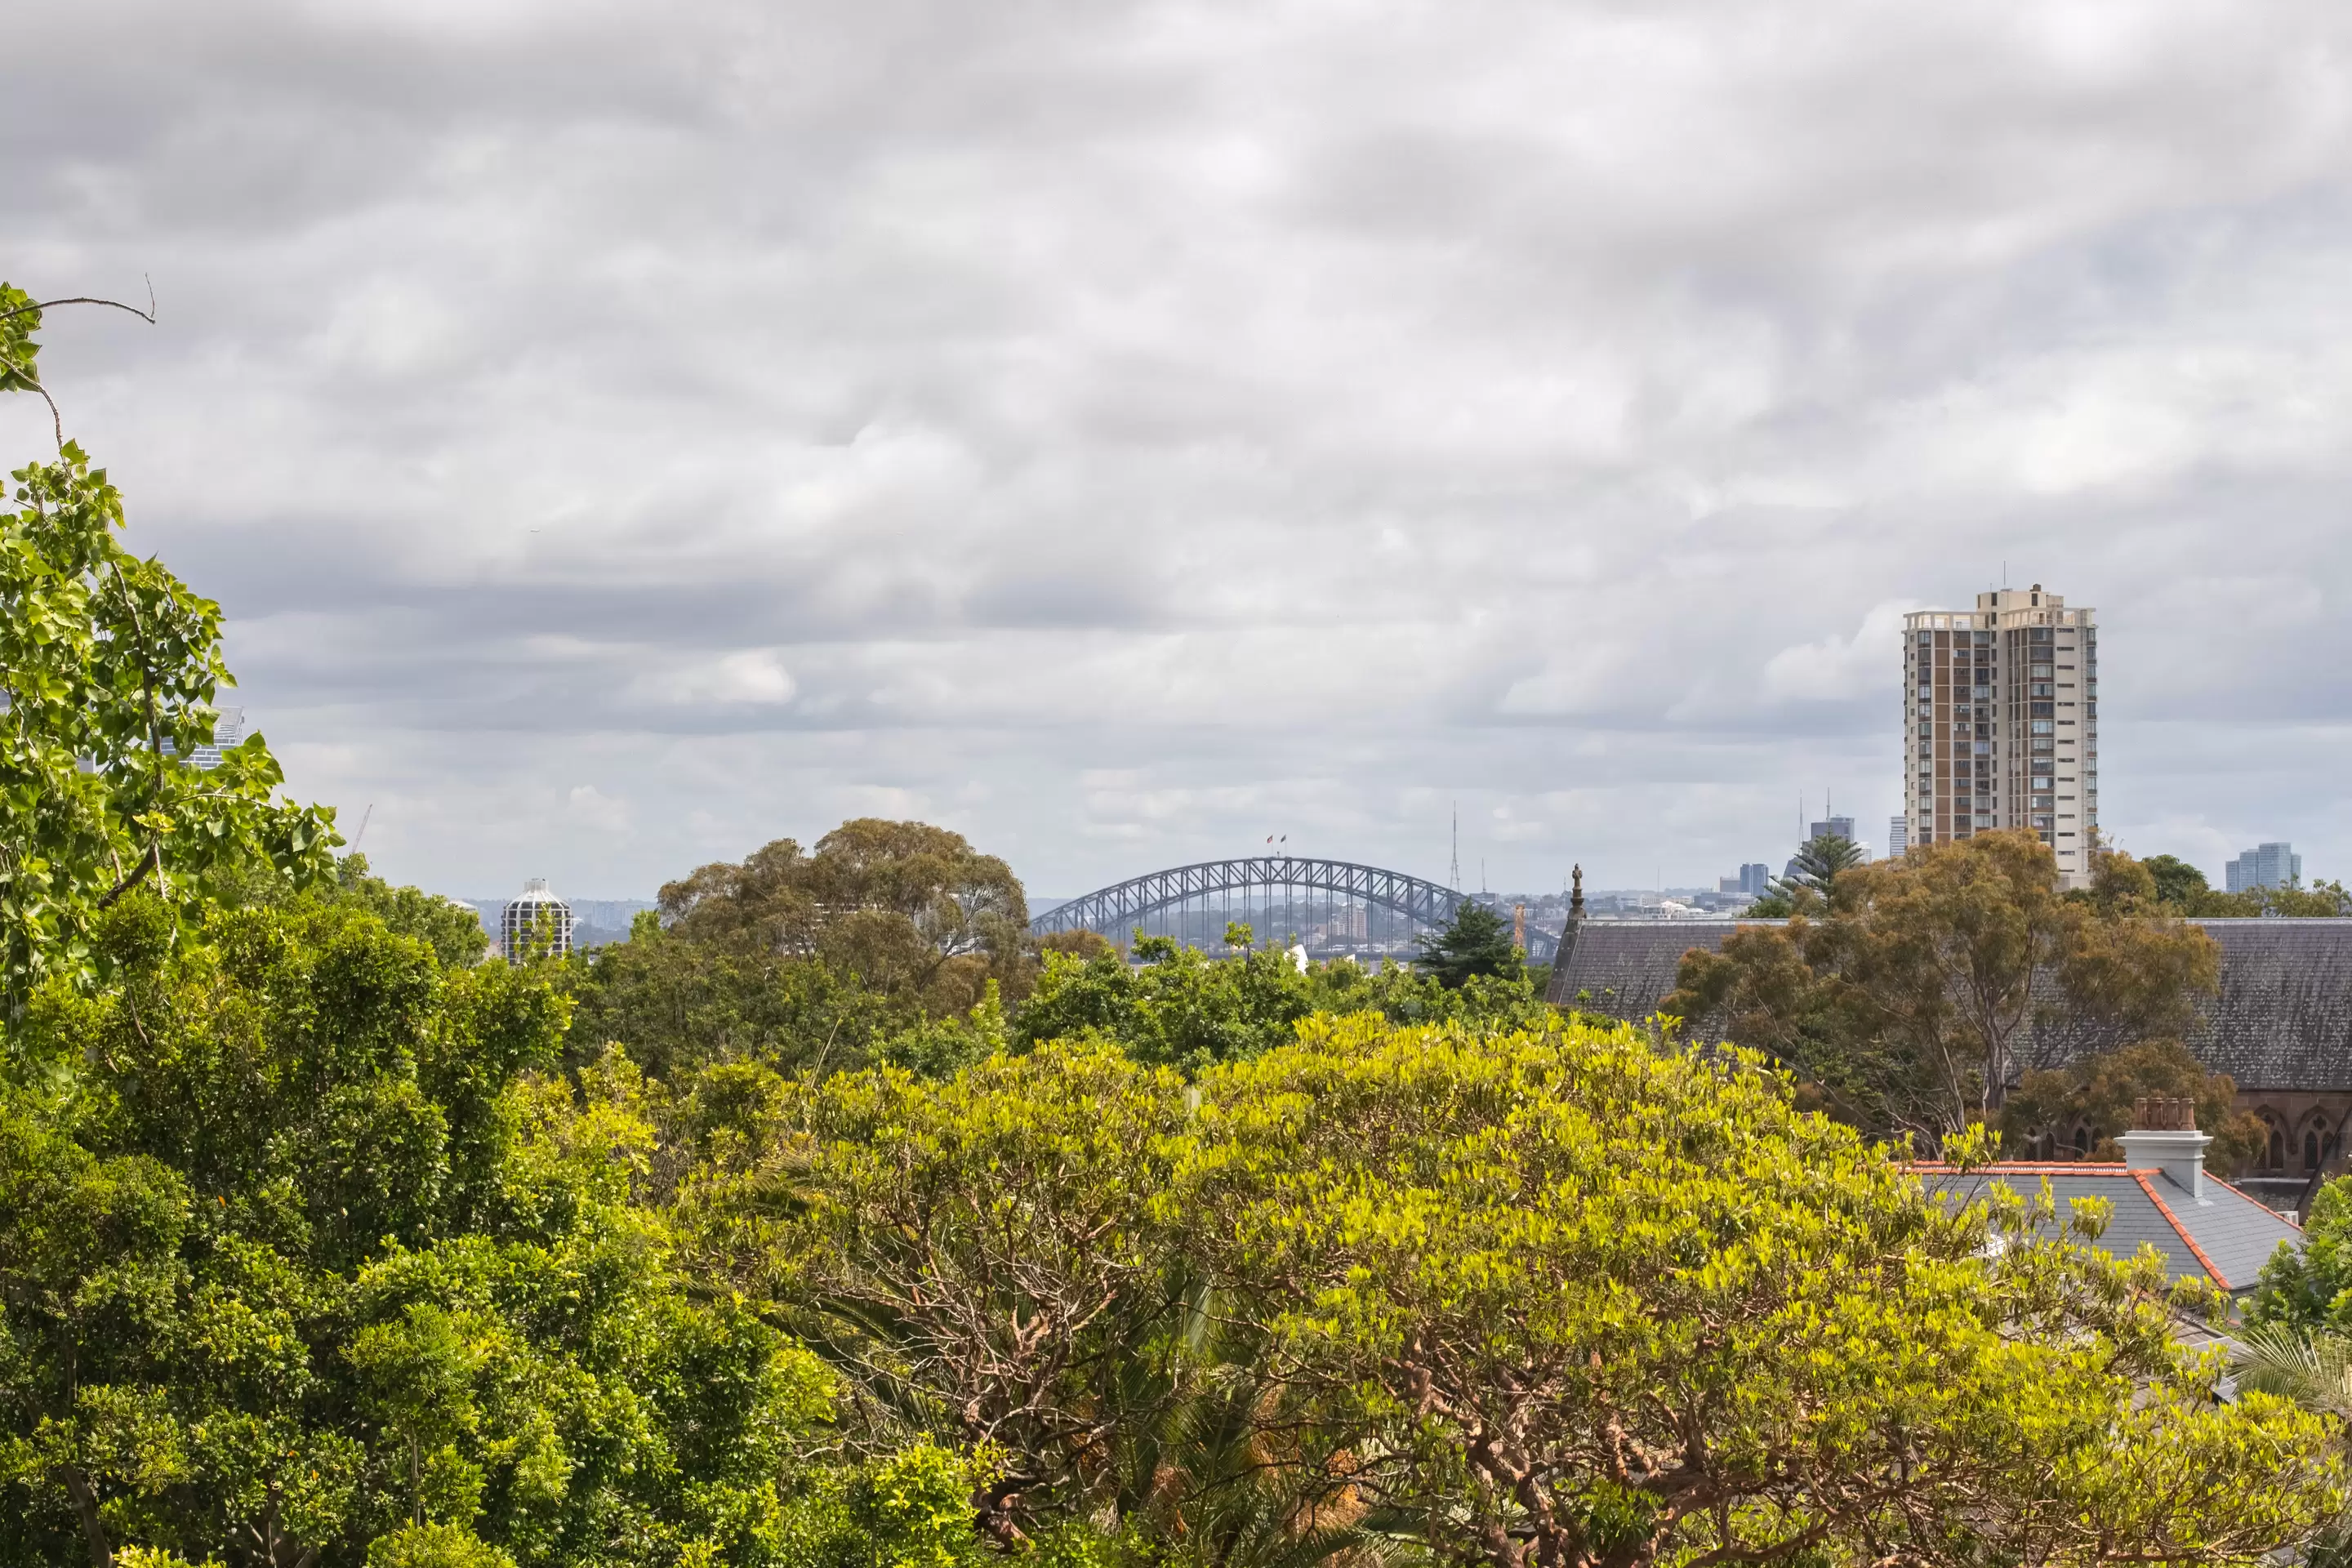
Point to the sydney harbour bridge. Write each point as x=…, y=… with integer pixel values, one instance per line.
x=1326, y=905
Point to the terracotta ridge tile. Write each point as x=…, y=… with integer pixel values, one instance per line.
x=2182, y=1230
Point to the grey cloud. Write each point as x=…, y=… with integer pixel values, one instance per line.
x=1297, y=416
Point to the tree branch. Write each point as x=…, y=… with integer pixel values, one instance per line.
x=147, y=315
x=147, y=863
x=85, y=1501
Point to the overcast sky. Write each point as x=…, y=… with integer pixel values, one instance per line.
x=621, y=435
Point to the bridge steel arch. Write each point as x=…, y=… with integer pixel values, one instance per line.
x=1115, y=910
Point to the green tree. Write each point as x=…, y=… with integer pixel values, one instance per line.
x=676, y=1005
x=2311, y=1288
x=453, y=930
x=1477, y=942
x=1818, y=864
x=2182, y=889
x=1553, y=1296
x=1573, y=1300
x=1179, y=1007
x=2093, y=1098
x=300, y=1250
x=1904, y=996
x=914, y=912
x=982, y=1257
x=2177, y=883
x=111, y=666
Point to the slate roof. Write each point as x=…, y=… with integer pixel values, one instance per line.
x=2224, y=1235
x=2282, y=1019
x=1625, y=968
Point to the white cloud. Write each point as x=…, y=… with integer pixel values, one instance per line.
x=592, y=808
x=1840, y=668
x=755, y=676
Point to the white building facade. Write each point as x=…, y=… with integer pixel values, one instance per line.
x=2000, y=723
x=537, y=924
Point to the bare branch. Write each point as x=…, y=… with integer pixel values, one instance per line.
x=147, y=315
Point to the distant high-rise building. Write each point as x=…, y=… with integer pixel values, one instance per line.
x=2265, y=866
x=1755, y=879
x=1898, y=836
x=2000, y=723
x=1833, y=827
x=536, y=923
x=227, y=732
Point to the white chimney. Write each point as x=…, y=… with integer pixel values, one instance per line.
x=2164, y=1137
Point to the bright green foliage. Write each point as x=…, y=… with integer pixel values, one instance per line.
x=435, y=1546
x=910, y=1508
x=998, y=1259
x=1568, y=1294
x=1554, y=1295
x=2312, y=1288
x=1478, y=944
x=982, y=1254
x=297, y=1249
x=110, y=667
x=453, y=930
x=1184, y=1009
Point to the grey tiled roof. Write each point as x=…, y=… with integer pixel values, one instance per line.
x=2235, y=1234
x=2283, y=1018
x=1625, y=968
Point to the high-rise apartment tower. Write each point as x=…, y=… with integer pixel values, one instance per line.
x=2000, y=723
x=2265, y=866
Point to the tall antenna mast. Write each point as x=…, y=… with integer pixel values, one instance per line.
x=1453, y=872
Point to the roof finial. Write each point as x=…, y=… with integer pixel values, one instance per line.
x=1576, y=895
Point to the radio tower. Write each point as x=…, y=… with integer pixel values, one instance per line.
x=1454, y=873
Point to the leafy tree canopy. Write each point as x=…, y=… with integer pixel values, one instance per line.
x=2084, y=1108
x=2174, y=881
x=2312, y=1288
x=111, y=666
x=1179, y=1007
x=912, y=911
x=1901, y=996
x=298, y=1252
x=2181, y=889
x=1552, y=1296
